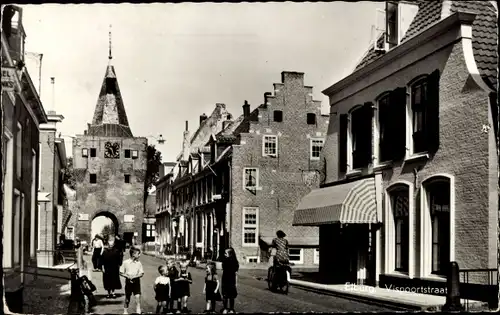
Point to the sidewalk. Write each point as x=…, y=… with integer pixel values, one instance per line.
x=46, y=295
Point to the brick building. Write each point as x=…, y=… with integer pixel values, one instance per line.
x=110, y=167
x=22, y=114
x=244, y=182
x=419, y=189
x=52, y=196
x=163, y=213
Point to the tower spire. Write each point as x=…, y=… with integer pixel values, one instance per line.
x=110, y=55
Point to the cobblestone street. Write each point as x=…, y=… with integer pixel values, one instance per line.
x=253, y=296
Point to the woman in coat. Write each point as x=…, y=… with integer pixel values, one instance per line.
x=111, y=260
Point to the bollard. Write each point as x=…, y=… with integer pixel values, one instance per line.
x=453, y=290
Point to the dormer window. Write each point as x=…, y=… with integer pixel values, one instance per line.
x=391, y=21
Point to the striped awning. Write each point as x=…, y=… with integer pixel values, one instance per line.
x=352, y=202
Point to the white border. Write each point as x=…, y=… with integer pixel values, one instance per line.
x=256, y=226
x=426, y=228
x=316, y=256
x=389, y=230
x=247, y=259
x=264, y=145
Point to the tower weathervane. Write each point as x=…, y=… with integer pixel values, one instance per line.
x=110, y=56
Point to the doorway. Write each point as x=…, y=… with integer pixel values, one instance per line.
x=128, y=237
x=354, y=239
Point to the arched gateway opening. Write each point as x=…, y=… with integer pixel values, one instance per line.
x=105, y=224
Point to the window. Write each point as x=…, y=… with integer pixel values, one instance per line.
x=418, y=100
x=127, y=153
x=127, y=179
x=17, y=227
x=70, y=233
x=93, y=178
x=316, y=256
x=311, y=119
x=400, y=208
x=439, y=206
x=33, y=204
x=135, y=154
x=85, y=152
x=8, y=160
x=278, y=116
x=251, y=178
x=361, y=136
x=39, y=166
x=199, y=228
x=384, y=117
x=316, y=147
x=19, y=150
x=149, y=232
x=93, y=152
x=391, y=11
x=270, y=146
x=252, y=259
x=296, y=255
x=250, y=226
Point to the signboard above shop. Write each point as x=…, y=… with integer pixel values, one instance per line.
x=8, y=79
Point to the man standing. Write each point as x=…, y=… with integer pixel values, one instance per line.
x=98, y=247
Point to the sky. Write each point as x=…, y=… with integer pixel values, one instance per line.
x=174, y=62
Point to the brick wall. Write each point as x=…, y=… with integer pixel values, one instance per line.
x=465, y=152
x=280, y=178
x=110, y=195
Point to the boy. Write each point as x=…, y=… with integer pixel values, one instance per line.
x=132, y=271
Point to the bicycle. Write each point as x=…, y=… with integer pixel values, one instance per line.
x=277, y=279
x=59, y=258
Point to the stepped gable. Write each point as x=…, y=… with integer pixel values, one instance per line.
x=484, y=33
x=110, y=118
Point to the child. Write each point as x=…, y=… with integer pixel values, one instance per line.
x=182, y=287
x=162, y=290
x=211, y=288
x=230, y=268
x=132, y=271
x=173, y=274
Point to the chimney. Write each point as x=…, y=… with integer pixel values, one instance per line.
x=185, y=144
x=246, y=109
x=266, y=95
x=202, y=118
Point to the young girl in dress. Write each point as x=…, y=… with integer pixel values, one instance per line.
x=162, y=290
x=182, y=286
x=173, y=274
x=211, y=288
x=230, y=268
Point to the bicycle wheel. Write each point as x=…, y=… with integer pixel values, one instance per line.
x=270, y=278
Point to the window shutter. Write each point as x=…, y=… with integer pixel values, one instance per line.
x=368, y=133
x=432, y=112
x=397, y=129
x=343, y=143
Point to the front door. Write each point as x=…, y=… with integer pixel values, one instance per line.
x=355, y=241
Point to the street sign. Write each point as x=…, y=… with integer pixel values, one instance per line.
x=8, y=79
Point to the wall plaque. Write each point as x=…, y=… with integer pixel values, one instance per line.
x=128, y=218
x=83, y=216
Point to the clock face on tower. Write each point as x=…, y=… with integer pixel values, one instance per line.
x=112, y=150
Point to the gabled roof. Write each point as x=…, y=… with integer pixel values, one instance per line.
x=484, y=32
x=110, y=118
x=240, y=125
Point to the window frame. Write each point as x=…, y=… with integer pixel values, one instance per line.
x=426, y=225
x=85, y=152
x=127, y=176
x=129, y=155
x=16, y=222
x=264, y=138
x=351, y=139
x=33, y=204
x=396, y=39
x=254, y=226
x=439, y=217
x=311, y=146
x=135, y=154
x=301, y=255
x=245, y=187
x=423, y=106
x=404, y=262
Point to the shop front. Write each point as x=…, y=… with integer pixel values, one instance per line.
x=348, y=218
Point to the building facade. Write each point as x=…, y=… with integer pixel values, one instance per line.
x=22, y=114
x=52, y=195
x=411, y=156
x=244, y=182
x=110, y=167
x=163, y=208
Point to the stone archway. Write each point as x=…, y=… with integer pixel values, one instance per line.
x=101, y=219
